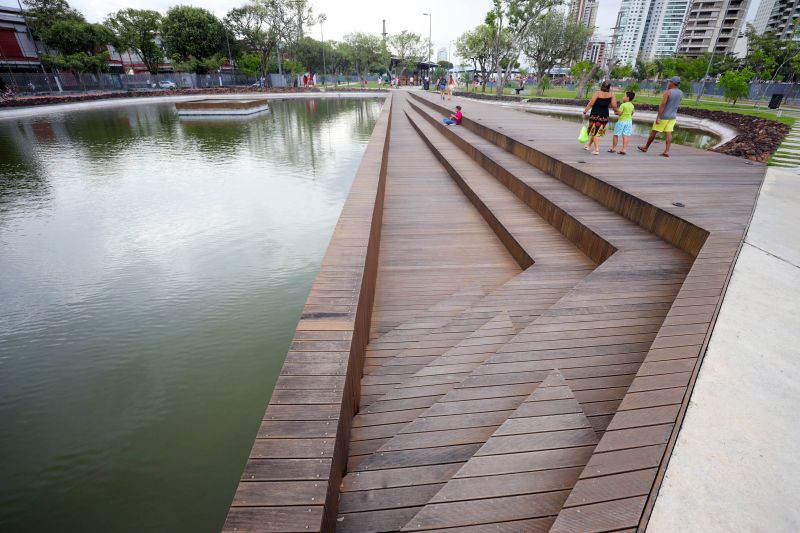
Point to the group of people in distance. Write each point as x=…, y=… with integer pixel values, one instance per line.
x=599, y=107
x=604, y=100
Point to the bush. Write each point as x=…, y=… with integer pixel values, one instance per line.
x=633, y=86
x=544, y=84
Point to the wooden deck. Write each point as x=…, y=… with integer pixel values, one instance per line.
x=503, y=335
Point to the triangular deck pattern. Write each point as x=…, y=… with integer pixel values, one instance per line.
x=524, y=472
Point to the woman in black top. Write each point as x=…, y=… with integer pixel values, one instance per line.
x=600, y=103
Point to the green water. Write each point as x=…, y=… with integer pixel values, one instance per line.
x=686, y=136
x=152, y=270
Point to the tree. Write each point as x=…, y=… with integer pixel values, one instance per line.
x=476, y=46
x=136, y=29
x=79, y=46
x=584, y=71
x=644, y=70
x=249, y=24
x=79, y=63
x=445, y=65
x=71, y=36
x=192, y=32
x=267, y=26
x=772, y=57
x=511, y=22
x=363, y=50
x=41, y=14
x=553, y=39
x=736, y=84
x=408, y=48
x=308, y=52
x=620, y=72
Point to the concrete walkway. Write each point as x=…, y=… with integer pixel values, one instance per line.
x=735, y=466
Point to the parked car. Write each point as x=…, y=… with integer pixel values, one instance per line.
x=166, y=84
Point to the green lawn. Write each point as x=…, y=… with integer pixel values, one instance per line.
x=742, y=108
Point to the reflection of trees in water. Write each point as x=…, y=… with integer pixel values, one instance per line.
x=305, y=132
x=21, y=175
x=215, y=136
x=298, y=133
x=104, y=132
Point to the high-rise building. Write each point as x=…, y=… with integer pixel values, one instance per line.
x=595, y=51
x=441, y=55
x=584, y=11
x=712, y=26
x=648, y=29
x=762, y=16
x=782, y=19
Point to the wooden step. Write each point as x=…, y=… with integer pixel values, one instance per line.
x=524, y=472
x=380, y=421
x=490, y=143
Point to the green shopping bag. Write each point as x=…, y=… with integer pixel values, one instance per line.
x=584, y=136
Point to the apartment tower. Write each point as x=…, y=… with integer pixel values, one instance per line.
x=712, y=26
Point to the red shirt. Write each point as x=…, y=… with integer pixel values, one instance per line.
x=458, y=116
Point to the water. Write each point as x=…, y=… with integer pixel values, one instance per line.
x=152, y=270
x=687, y=136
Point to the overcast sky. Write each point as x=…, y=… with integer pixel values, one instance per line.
x=450, y=17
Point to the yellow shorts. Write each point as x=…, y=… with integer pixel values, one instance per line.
x=665, y=125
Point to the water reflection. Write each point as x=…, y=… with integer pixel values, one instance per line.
x=153, y=271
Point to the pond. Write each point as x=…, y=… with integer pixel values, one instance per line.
x=687, y=136
x=153, y=270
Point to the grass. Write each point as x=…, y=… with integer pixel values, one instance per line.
x=742, y=108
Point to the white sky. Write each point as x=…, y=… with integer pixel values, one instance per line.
x=450, y=17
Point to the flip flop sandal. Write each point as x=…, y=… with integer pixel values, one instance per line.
x=623, y=153
x=641, y=149
x=612, y=151
x=664, y=155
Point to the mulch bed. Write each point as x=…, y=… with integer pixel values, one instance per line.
x=757, y=141
x=27, y=101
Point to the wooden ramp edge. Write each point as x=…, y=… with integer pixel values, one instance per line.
x=291, y=479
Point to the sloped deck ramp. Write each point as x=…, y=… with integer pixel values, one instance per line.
x=503, y=335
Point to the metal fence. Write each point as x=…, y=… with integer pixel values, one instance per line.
x=65, y=81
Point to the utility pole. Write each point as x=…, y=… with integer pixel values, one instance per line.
x=430, y=42
x=384, y=30
x=323, y=18
x=708, y=70
x=230, y=57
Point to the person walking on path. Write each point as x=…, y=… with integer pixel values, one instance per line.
x=600, y=103
x=667, y=115
x=451, y=85
x=624, y=126
x=441, y=84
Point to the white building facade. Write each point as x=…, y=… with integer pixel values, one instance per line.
x=648, y=29
x=762, y=16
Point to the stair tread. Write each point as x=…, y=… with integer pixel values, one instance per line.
x=473, y=497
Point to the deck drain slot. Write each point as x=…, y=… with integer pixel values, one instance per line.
x=678, y=204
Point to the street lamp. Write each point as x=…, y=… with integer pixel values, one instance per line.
x=430, y=42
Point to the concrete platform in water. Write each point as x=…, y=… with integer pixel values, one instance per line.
x=211, y=107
